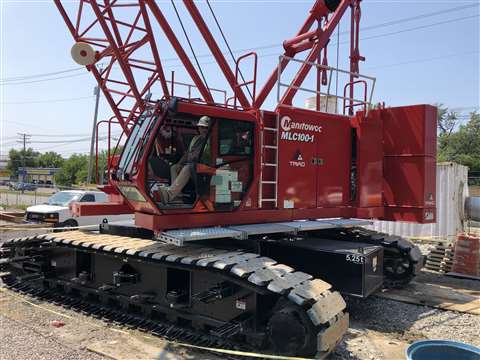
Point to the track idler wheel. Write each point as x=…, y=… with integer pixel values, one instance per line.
x=398, y=269
x=290, y=332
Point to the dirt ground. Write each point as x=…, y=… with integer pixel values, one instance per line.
x=379, y=329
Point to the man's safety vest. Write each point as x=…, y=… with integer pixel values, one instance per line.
x=195, y=148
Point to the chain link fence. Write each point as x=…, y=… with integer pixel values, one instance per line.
x=18, y=199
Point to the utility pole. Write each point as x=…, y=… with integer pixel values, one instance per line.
x=96, y=92
x=24, y=138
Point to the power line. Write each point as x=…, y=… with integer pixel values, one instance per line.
x=465, y=108
x=265, y=55
x=420, y=60
x=191, y=47
x=229, y=48
x=372, y=27
x=68, y=141
x=26, y=77
x=13, y=80
x=101, y=138
x=417, y=17
x=61, y=145
x=381, y=66
x=11, y=143
x=421, y=27
x=43, y=80
x=47, y=101
x=212, y=62
x=29, y=124
x=60, y=135
x=61, y=141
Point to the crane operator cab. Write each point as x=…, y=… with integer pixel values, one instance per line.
x=190, y=161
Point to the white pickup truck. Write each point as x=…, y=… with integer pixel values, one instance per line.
x=57, y=210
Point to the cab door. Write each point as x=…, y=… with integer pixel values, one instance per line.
x=231, y=153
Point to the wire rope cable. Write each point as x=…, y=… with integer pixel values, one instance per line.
x=191, y=47
x=228, y=45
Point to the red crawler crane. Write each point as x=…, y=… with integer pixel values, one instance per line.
x=357, y=167
x=239, y=189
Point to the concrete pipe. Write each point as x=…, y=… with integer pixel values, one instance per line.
x=472, y=208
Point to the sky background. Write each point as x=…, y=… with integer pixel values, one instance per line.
x=419, y=51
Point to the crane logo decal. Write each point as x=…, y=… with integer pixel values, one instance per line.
x=297, y=160
x=287, y=124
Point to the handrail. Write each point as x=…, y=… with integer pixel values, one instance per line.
x=172, y=83
x=366, y=101
x=109, y=122
x=246, y=83
x=352, y=103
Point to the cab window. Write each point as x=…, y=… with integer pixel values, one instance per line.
x=220, y=175
x=88, y=198
x=235, y=138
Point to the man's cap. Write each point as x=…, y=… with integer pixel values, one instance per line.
x=204, y=121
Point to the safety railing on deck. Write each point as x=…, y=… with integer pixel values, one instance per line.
x=349, y=101
x=109, y=139
x=246, y=83
x=190, y=91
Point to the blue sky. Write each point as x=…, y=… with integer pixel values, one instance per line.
x=432, y=58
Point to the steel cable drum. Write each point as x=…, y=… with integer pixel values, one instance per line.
x=442, y=350
x=472, y=208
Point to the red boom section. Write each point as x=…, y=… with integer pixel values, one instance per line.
x=126, y=64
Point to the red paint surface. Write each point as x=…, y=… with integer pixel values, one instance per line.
x=370, y=159
x=395, y=148
x=314, y=176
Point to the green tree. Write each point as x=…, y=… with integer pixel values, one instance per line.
x=447, y=120
x=74, y=170
x=50, y=159
x=462, y=145
x=102, y=166
x=15, y=159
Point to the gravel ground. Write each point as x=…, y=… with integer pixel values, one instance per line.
x=382, y=328
x=379, y=328
x=21, y=342
x=425, y=248
x=411, y=322
x=6, y=235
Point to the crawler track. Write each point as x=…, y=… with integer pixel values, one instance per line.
x=313, y=314
x=165, y=330
x=402, y=259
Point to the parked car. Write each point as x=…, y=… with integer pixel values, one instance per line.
x=25, y=187
x=57, y=210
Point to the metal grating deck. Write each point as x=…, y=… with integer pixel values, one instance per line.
x=243, y=232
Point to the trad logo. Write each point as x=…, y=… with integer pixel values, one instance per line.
x=297, y=160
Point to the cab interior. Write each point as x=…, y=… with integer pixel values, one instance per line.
x=219, y=177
